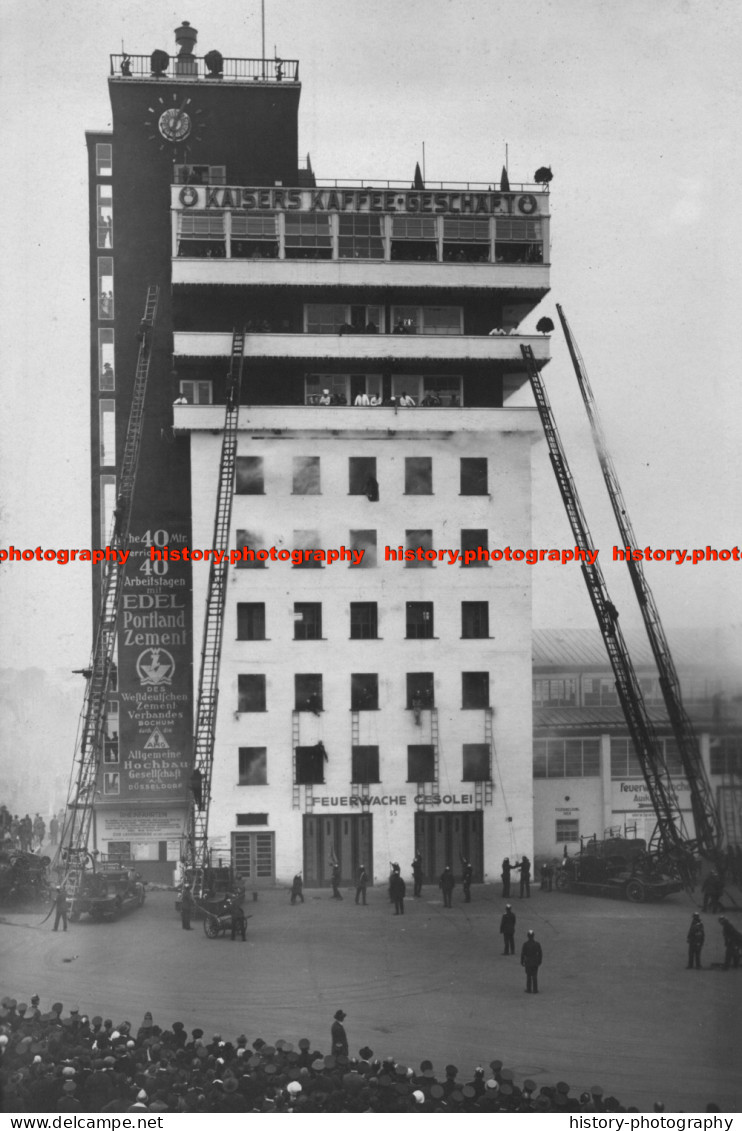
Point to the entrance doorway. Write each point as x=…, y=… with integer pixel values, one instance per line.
x=254, y=857
x=348, y=837
x=443, y=838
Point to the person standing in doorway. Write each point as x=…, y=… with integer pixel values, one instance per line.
x=447, y=883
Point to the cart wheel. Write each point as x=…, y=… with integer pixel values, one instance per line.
x=635, y=891
x=211, y=927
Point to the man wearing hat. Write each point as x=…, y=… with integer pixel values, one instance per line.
x=60, y=907
x=531, y=956
x=338, y=1035
x=696, y=937
x=507, y=929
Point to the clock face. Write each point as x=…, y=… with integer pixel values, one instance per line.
x=174, y=125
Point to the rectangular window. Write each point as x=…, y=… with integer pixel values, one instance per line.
x=112, y=782
x=567, y=832
x=475, y=690
x=249, y=476
x=518, y=241
x=196, y=392
x=673, y=760
x=420, y=763
x=726, y=756
x=361, y=469
x=105, y=286
x=364, y=691
x=201, y=234
x=305, y=475
x=106, y=378
x=308, y=541
x=308, y=236
x=475, y=620
x=365, y=765
x=420, y=691
x=555, y=692
x=103, y=160
x=107, y=507
x=252, y=818
x=624, y=762
x=422, y=541
x=200, y=175
x=360, y=237
x=566, y=758
x=107, y=436
x=251, y=620
x=418, y=475
x=445, y=392
x=473, y=477
x=325, y=317
x=307, y=620
x=364, y=540
x=419, y=620
x=254, y=236
x=308, y=693
x=250, y=541
x=476, y=762
x=477, y=542
x=414, y=238
x=466, y=241
x=104, y=215
x=253, y=765
x=363, y=620
x=310, y=764
x=250, y=693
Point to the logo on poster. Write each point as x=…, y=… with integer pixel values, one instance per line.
x=154, y=671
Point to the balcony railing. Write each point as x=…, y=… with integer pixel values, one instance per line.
x=190, y=67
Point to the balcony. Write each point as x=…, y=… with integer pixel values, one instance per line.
x=195, y=68
x=532, y=278
x=359, y=348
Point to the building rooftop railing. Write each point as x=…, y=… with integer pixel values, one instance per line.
x=430, y=186
x=210, y=68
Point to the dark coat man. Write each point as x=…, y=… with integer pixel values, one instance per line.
x=60, y=907
x=338, y=1035
x=447, y=883
x=335, y=881
x=361, y=883
x=531, y=956
x=507, y=930
x=467, y=878
x=397, y=891
x=525, y=877
x=696, y=937
x=417, y=874
x=732, y=943
x=506, y=869
x=186, y=909
x=296, y=888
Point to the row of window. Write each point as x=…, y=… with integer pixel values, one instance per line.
x=600, y=691
x=362, y=475
x=364, y=691
x=474, y=543
x=310, y=763
x=580, y=758
x=425, y=390
x=339, y=317
x=364, y=620
x=300, y=235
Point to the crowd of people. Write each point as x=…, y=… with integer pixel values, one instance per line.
x=27, y=834
x=61, y=1062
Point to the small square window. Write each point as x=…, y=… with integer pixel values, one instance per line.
x=474, y=477
x=419, y=620
x=476, y=542
x=250, y=693
x=362, y=476
x=419, y=542
x=250, y=543
x=308, y=541
x=253, y=765
x=308, y=693
x=251, y=620
x=476, y=762
x=475, y=690
x=364, y=540
x=249, y=476
x=475, y=620
x=364, y=620
x=364, y=691
x=305, y=475
x=310, y=764
x=418, y=475
x=307, y=620
x=420, y=763
x=420, y=691
x=112, y=782
x=567, y=832
x=365, y=765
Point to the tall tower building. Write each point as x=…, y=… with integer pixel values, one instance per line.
x=375, y=681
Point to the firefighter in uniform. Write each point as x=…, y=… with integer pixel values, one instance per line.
x=531, y=957
x=696, y=936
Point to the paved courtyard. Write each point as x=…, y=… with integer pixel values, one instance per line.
x=617, y=1006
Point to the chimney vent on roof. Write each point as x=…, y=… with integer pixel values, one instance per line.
x=185, y=37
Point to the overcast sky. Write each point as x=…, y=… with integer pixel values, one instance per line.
x=635, y=105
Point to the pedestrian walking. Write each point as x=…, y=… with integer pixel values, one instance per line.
x=696, y=937
x=397, y=891
x=506, y=869
x=361, y=884
x=417, y=875
x=507, y=930
x=335, y=880
x=296, y=888
x=60, y=907
x=338, y=1036
x=447, y=883
x=531, y=957
x=525, y=877
x=186, y=908
x=467, y=878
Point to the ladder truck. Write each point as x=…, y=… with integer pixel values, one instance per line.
x=670, y=842
x=708, y=830
x=73, y=858
x=197, y=857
